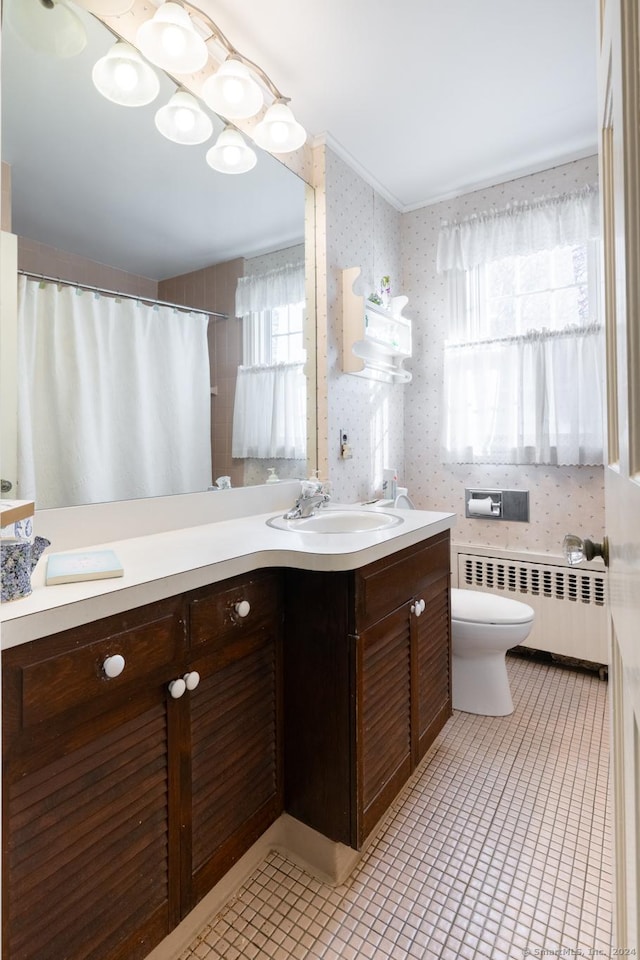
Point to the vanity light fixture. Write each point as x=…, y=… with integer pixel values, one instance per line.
x=178, y=38
x=238, y=88
x=183, y=120
x=278, y=131
x=232, y=91
x=48, y=26
x=169, y=40
x=123, y=77
x=230, y=153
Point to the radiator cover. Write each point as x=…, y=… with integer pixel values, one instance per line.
x=570, y=604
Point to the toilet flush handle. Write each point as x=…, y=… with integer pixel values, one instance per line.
x=576, y=550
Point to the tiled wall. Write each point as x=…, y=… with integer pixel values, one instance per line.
x=562, y=499
x=52, y=262
x=362, y=230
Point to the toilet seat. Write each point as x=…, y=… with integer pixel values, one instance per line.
x=470, y=606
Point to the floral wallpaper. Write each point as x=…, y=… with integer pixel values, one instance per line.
x=362, y=230
x=561, y=499
x=399, y=426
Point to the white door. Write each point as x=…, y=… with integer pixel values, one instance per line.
x=619, y=107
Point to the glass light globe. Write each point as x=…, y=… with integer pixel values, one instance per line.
x=230, y=153
x=232, y=92
x=170, y=40
x=51, y=27
x=183, y=120
x=278, y=131
x=173, y=40
x=123, y=77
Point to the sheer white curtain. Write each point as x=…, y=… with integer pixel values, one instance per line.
x=114, y=397
x=269, y=418
x=531, y=399
x=274, y=288
x=519, y=229
x=267, y=421
x=524, y=358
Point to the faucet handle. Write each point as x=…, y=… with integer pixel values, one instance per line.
x=309, y=488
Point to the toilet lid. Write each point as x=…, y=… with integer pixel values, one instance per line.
x=473, y=607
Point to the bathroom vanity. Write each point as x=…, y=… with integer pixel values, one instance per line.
x=145, y=751
x=367, y=679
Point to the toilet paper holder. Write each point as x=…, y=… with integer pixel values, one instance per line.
x=497, y=504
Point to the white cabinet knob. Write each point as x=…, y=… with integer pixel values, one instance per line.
x=243, y=608
x=418, y=607
x=177, y=688
x=113, y=666
x=192, y=679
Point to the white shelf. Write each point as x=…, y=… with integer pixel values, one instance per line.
x=375, y=340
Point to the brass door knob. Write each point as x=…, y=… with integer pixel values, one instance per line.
x=576, y=550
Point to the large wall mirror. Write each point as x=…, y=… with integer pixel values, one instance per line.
x=100, y=198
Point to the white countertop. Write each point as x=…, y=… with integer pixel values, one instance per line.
x=171, y=562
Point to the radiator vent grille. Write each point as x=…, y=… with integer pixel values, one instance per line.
x=533, y=579
x=571, y=618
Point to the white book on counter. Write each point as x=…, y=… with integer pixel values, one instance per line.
x=84, y=565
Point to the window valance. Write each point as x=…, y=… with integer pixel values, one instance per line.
x=519, y=229
x=266, y=291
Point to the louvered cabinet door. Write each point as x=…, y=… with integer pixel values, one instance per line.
x=236, y=769
x=90, y=823
x=431, y=666
x=383, y=715
x=86, y=839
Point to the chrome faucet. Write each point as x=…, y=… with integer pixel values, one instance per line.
x=312, y=496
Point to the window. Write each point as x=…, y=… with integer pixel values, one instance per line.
x=269, y=420
x=523, y=362
x=275, y=336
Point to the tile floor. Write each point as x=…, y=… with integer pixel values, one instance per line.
x=499, y=846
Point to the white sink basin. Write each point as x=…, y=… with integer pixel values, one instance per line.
x=338, y=521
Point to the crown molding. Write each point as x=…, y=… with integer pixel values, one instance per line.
x=547, y=163
x=327, y=140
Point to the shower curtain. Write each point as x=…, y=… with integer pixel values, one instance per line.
x=114, y=397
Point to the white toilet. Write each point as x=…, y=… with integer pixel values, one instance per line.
x=483, y=627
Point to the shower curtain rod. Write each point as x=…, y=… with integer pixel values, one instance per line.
x=126, y=296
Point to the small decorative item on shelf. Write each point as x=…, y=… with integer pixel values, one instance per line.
x=383, y=298
x=385, y=291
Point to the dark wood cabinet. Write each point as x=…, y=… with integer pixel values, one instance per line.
x=367, y=685
x=122, y=805
x=383, y=712
x=234, y=724
x=144, y=753
x=89, y=836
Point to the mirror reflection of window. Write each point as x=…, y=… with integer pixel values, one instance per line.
x=269, y=420
x=276, y=336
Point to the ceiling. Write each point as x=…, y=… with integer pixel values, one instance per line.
x=424, y=98
x=431, y=98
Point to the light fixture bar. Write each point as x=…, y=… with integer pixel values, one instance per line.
x=232, y=51
x=277, y=132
